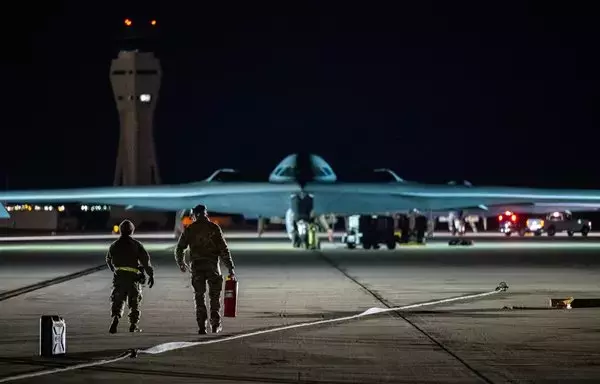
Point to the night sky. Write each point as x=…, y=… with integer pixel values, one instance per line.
x=513, y=88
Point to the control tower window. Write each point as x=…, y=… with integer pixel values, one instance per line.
x=145, y=98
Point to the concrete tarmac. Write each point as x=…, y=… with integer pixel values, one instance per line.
x=474, y=341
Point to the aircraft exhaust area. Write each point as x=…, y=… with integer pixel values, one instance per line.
x=414, y=314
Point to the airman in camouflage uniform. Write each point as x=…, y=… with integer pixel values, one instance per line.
x=128, y=259
x=207, y=245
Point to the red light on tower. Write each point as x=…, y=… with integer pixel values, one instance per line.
x=153, y=23
x=128, y=22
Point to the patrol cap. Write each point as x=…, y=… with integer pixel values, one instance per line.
x=199, y=210
x=126, y=227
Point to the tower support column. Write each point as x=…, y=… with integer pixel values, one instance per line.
x=135, y=77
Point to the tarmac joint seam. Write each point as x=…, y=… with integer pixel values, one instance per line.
x=46, y=283
x=502, y=287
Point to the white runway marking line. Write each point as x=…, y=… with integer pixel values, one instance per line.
x=166, y=347
x=285, y=246
x=228, y=235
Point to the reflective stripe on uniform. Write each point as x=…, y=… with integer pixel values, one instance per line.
x=128, y=269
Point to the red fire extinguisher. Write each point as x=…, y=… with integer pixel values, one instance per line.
x=230, y=297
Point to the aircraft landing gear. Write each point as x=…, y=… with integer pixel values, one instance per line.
x=413, y=229
x=302, y=232
x=296, y=240
x=306, y=236
x=370, y=231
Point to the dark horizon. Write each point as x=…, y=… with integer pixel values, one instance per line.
x=370, y=88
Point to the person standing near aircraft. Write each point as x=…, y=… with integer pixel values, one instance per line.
x=207, y=246
x=124, y=258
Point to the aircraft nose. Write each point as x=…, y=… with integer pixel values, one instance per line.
x=304, y=168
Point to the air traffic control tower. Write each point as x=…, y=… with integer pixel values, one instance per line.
x=135, y=76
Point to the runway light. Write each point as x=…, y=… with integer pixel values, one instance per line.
x=153, y=23
x=128, y=22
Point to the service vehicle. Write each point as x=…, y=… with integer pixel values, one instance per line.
x=512, y=222
x=564, y=222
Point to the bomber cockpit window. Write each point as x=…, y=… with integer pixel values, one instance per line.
x=287, y=172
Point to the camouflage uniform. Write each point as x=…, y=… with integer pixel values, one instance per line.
x=123, y=258
x=207, y=246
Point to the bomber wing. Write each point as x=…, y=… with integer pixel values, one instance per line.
x=272, y=199
x=248, y=199
x=355, y=198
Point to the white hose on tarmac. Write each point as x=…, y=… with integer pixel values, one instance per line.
x=69, y=368
x=166, y=347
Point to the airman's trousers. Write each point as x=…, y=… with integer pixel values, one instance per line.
x=126, y=286
x=200, y=279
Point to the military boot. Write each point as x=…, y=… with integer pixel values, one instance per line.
x=134, y=328
x=216, y=328
x=202, y=327
x=113, y=325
